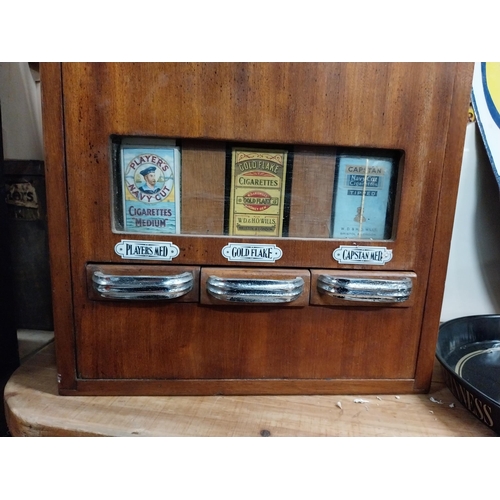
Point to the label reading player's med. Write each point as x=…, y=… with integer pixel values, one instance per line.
x=151, y=187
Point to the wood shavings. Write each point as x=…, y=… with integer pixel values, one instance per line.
x=379, y=398
x=359, y=400
x=397, y=397
x=339, y=404
x=430, y=411
x=452, y=405
x=437, y=401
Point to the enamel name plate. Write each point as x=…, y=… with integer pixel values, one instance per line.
x=146, y=250
x=247, y=252
x=359, y=255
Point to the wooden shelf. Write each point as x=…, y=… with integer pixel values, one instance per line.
x=34, y=408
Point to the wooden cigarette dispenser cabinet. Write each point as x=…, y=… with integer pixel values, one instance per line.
x=276, y=228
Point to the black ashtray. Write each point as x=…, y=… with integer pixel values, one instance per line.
x=469, y=350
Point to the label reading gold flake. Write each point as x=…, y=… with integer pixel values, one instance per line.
x=257, y=192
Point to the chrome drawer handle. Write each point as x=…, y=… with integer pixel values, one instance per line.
x=142, y=287
x=255, y=291
x=365, y=289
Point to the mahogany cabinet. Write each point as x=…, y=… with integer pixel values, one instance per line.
x=250, y=228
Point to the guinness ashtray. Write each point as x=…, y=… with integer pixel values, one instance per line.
x=469, y=351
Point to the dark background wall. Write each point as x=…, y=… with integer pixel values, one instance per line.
x=9, y=354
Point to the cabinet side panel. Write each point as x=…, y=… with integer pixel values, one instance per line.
x=444, y=225
x=58, y=224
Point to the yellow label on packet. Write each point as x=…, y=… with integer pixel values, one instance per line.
x=257, y=192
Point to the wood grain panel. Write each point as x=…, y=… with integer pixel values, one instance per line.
x=312, y=192
x=203, y=180
x=58, y=223
x=444, y=226
x=357, y=104
x=186, y=341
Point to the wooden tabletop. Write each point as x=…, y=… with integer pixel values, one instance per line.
x=33, y=408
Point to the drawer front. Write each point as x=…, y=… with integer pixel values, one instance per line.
x=254, y=287
x=363, y=288
x=142, y=283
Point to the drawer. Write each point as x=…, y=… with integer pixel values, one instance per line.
x=135, y=282
x=362, y=288
x=256, y=286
